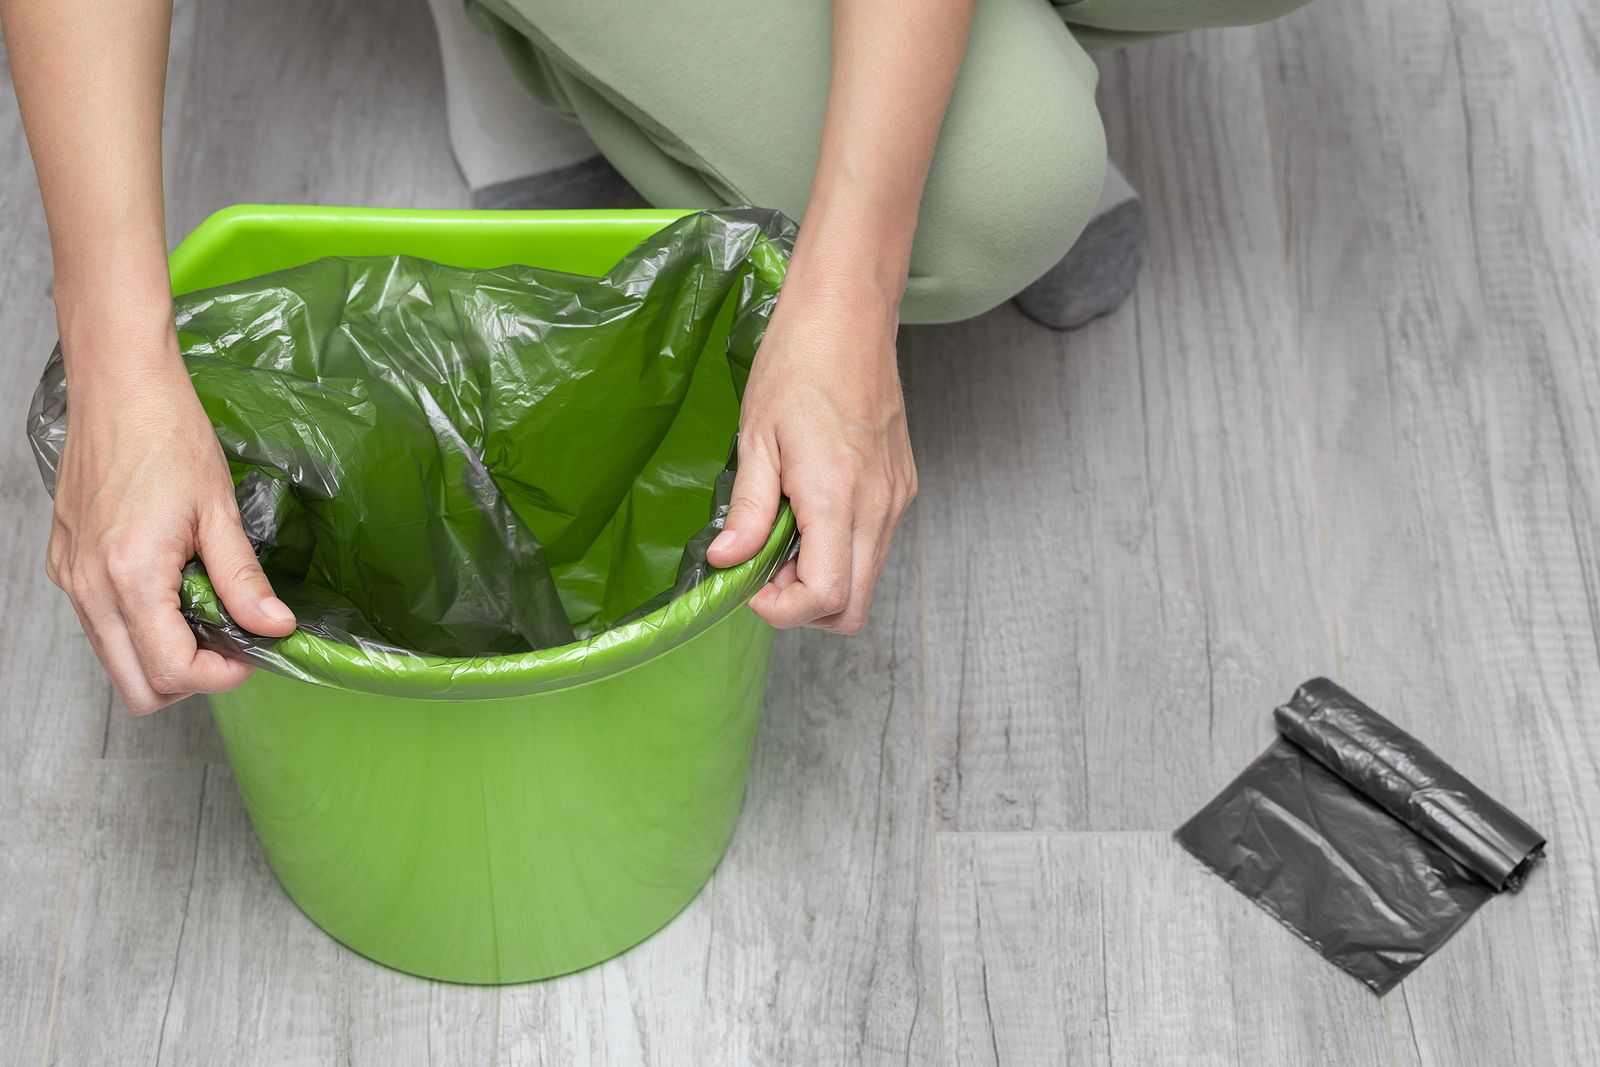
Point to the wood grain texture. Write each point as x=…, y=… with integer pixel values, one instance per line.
x=255, y=981
x=129, y=903
x=814, y=941
x=1119, y=539
x=1103, y=948
x=305, y=102
x=1437, y=166
x=182, y=731
x=1349, y=424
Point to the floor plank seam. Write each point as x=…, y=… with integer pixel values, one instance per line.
x=183, y=923
x=1048, y=835
x=1468, y=167
x=1411, y=1026
x=983, y=977
x=152, y=761
x=494, y=1044
x=1308, y=443
x=930, y=796
x=105, y=727
x=1105, y=972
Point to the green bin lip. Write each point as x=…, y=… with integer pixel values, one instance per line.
x=420, y=675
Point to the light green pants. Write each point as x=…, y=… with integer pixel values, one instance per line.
x=702, y=103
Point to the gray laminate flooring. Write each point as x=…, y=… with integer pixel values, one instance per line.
x=1349, y=424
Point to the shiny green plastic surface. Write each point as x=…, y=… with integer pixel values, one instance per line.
x=502, y=840
x=497, y=838
x=471, y=481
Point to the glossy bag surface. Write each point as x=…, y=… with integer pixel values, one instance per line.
x=446, y=467
x=1359, y=838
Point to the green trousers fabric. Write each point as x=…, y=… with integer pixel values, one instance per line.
x=704, y=103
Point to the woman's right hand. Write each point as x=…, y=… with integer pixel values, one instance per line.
x=143, y=487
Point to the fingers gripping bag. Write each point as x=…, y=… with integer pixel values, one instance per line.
x=439, y=466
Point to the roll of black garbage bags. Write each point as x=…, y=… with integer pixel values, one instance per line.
x=1359, y=838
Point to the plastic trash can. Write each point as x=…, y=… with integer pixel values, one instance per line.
x=494, y=838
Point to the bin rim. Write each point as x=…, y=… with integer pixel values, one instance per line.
x=378, y=668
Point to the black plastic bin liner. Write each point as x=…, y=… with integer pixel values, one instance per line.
x=1359, y=838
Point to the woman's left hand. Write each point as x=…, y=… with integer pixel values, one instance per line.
x=823, y=423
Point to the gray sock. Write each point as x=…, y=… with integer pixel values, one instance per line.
x=588, y=183
x=1096, y=276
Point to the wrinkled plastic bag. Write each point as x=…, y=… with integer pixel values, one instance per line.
x=1359, y=839
x=436, y=463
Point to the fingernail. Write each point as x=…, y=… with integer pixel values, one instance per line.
x=276, y=610
x=723, y=540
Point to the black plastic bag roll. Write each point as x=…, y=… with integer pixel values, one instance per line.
x=1359, y=838
x=1410, y=782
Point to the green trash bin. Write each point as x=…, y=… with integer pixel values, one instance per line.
x=555, y=808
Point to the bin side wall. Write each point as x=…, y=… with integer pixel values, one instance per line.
x=509, y=839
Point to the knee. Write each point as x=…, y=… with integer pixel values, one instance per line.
x=990, y=234
x=1003, y=236
x=1020, y=164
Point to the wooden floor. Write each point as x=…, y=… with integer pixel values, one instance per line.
x=1349, y=424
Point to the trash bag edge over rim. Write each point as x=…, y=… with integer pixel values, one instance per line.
x=341, y=665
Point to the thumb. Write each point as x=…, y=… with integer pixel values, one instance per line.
x=752, y=509
x=239, y=580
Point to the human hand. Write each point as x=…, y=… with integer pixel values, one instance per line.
x=823, y=423
x=142, y=488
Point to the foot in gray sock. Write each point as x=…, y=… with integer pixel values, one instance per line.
x=1096, y=276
